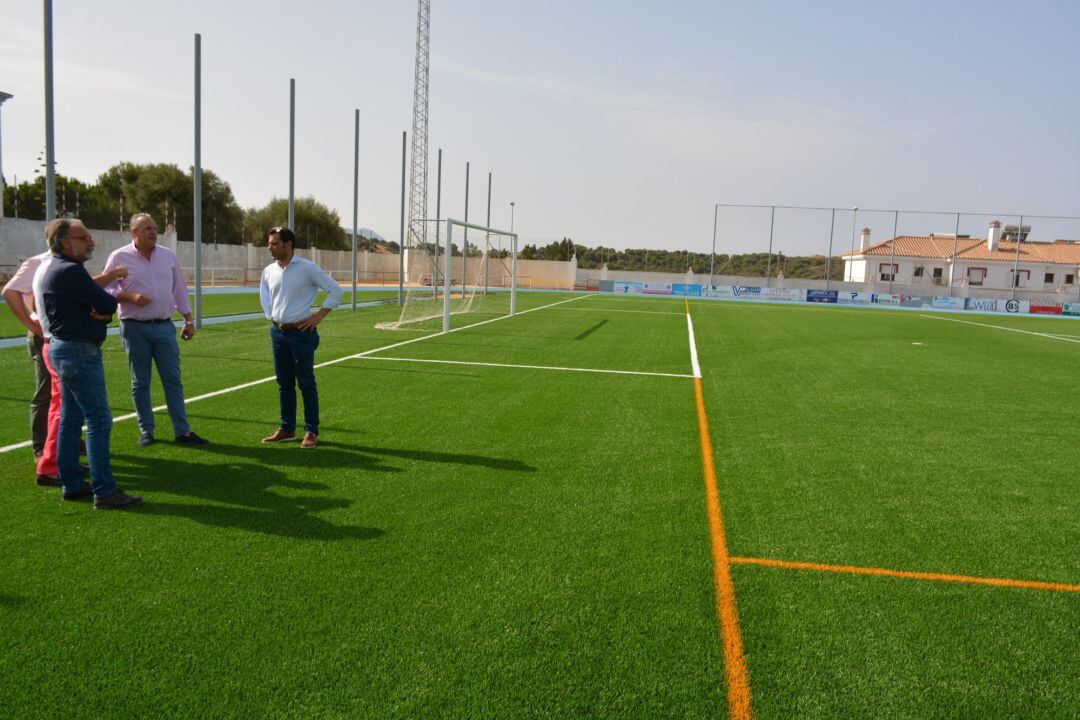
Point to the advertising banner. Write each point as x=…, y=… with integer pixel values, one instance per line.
x=657, y=289
x=628, y=287
x=1070, y=308
x=1046, y=308
x=782, y=294
x=886, y=299
x=686, y=289
x=1001, y=306
x=733, y=291
x=913, y=301
x=947, y=302
x=846, y=297
x=981, y=304
x=821, y=296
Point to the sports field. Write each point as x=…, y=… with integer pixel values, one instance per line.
x=850, y=513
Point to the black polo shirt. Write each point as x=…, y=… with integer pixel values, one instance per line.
x=68, y=293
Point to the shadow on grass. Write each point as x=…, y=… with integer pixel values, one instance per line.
x=506, y=464
x=240, y=495
x=8, y=600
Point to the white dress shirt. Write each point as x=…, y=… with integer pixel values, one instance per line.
x=39, y=299
x=288, y=293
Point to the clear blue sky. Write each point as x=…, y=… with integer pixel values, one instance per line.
x=615, y=123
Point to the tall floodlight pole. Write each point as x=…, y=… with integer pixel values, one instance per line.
x=418, y=171
x=828, y=258
x=511, y=217
x=487, y=240
x=952, y=265
x=292, y=152
x=892, y=257
x=197, y=179
x=465, y=239
x=3, y=183
x=438, y=221
x=768, y=264
x=401, y=229
x=854, y=219
x=355, y=197
x=50, y=137
x=712, y=253
x=1016, y=261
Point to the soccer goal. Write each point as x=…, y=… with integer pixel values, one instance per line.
x=477, y=277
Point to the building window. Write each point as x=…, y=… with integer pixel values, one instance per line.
x=976, y=276
x=887, y=271
x=919, y=271
x=1049, y=279
x=1070, y=279
x=937, y=273
x=1021, y=278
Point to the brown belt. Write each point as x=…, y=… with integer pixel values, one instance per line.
x=285, y=326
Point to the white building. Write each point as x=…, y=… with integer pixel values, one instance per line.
x=964, y=261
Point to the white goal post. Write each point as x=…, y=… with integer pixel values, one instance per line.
x=450, y=225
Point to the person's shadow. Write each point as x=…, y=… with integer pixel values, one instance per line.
x=238, y=494
x=236, y=489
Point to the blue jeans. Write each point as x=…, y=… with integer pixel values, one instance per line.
x=146, y=342
x=83, y=399
x=294, y=364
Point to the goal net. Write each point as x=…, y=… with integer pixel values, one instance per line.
x=476, y=278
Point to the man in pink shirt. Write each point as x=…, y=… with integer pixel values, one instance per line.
x=153, y=289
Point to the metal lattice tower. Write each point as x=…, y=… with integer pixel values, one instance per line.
x=418, y=170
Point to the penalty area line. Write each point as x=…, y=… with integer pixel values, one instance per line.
x=1002, y=327
x=260, y=381
x=559, y=368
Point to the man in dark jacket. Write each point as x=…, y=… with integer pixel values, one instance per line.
x=78, y=311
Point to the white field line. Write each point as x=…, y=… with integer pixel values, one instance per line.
x=253, y=383
x=695, y=366
x=606, y=309
x=530, y=367
x=1002, y=327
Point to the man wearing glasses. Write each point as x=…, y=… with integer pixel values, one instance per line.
x=78, y=311
x=287, y=291
x=153, y=289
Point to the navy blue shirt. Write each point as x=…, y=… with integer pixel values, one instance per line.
x=69, y=292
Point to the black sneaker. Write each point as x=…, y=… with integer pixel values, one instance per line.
x=191, y=439
x=48, y=481
x=81, y=494
x=145, y=440
x=119, y=500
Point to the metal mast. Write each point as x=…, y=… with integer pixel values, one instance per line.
x=418, y=170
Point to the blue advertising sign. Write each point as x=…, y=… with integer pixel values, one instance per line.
x=821, y=296
x=686, y=289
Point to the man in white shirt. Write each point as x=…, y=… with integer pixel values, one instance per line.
x=288, y=290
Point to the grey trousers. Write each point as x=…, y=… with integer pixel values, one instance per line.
x=39, y=406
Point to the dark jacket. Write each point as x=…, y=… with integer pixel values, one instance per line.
x=68, y=293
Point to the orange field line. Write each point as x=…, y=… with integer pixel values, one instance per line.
x=944, y=577
x=738, y=681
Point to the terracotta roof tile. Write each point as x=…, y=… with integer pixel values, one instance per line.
x=969, y=248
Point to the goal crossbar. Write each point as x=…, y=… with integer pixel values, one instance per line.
x=450, y=225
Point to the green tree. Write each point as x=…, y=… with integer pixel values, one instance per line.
x=316, y=224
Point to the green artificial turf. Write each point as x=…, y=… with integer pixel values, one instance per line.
x=479, y=541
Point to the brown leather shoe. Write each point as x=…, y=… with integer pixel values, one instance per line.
x=310, y=440
x=279, y=436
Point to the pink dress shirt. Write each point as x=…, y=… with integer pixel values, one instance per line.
x=160, y=278
x=22, y=281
